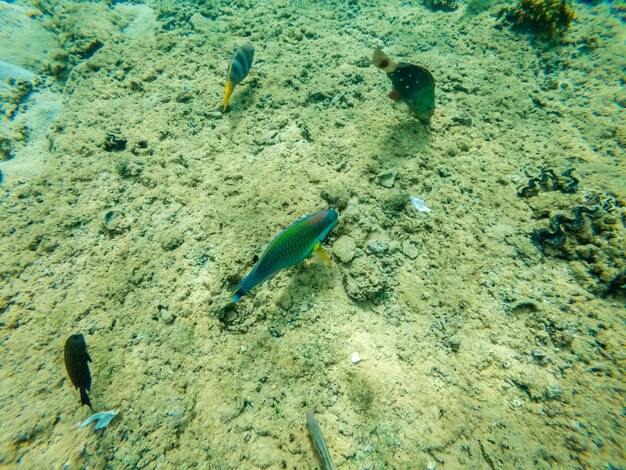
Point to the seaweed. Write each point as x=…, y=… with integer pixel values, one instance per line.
x=6, y=149
x=546, y=18
x=441, y=5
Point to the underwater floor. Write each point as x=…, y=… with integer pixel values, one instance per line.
x=491, y=330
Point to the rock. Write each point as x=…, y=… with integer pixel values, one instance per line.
x=410, y=249
x=462, y=120
x=387, y=179
x=114, y=222
x=171, y=241
x=345, y=248
x=393, y=204
x=378, y=247
x=454, y=342
x=167, y=317
x=336, y=195
x=553, y=392
x=364, y=281
x=114, y=141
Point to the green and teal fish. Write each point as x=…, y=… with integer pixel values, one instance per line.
x=319, y=443
x=412, y=84
x=290, y=247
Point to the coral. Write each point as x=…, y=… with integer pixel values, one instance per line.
x=441, y=5
x=547, y=18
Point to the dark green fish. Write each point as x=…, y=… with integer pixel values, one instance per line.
x=76, y=363
x=290, y=247
x=413, y=84
x=319, y=444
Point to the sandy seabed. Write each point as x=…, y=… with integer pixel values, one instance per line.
x=143, y=205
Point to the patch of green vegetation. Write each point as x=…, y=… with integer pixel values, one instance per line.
x=394, y=203
x=441, y=5
x=360, y=392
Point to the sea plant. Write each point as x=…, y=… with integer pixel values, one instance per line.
x=441, y=5
x=547, y=18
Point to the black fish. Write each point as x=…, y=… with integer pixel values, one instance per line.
x=76, y=358
x=413, y=84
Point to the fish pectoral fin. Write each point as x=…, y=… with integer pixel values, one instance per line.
x=319, y=252
x=394, y=95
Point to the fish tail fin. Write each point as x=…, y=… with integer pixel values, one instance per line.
x=84, y=398
x=319, y=252
x=228, y=91
x=238, y=292
x=383, y=61
x=236, y=295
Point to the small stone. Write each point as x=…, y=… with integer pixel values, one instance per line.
x=463, y=120
x=409, y=249
x=167, y=317
x=171, y=241
x=286, y=301
x=539, y=356
x=387, y=179
x=554, y=392
x=275, y=332
x=378, y=247
x=364, y=281
x=394, y=203
x=114, y=142
x=336, y=195
x=345, y=248
x=454, y=342
x=115, y=222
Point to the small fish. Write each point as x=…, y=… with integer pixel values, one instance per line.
x=237, y=70
x=412, y=84
x=102, y=419
x=319, y=444
x=76, y=363
x=290, y=247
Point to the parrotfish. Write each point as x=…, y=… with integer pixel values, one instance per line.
x=319, y=444
x=290, y=247
x=412, y=84
x=237, y=70
x=76, y=363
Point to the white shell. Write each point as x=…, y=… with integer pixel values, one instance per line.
x=419, y=204
x=356, y=358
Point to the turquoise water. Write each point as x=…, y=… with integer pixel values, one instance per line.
x=487, y=320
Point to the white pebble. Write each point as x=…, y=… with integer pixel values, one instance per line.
x=419, y=204
x=356, y=358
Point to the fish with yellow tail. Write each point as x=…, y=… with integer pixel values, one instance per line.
x=238, y=70
x=290, y=247
x=412, y=84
